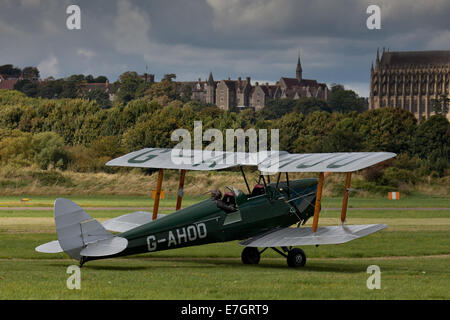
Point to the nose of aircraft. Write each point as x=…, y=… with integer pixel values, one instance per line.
x=303, y=186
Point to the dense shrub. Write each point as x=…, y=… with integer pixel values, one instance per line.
x=49, y=151
x=17, y=151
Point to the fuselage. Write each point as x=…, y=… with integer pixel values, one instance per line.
x=205, y=222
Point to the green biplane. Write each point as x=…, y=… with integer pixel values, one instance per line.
x=268, y=215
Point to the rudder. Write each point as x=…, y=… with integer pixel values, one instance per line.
x=77, y=230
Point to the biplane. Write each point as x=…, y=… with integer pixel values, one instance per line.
x=268, y=214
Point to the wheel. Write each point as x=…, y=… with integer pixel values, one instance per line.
x=296, y=258
x=250, y=255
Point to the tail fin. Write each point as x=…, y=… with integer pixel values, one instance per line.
x=79, y=235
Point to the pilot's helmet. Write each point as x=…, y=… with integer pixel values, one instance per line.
x=228, y=197
x=258, y=189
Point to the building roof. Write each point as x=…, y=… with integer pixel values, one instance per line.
x=309, y=83
x=196, y=86
x=415, y=58
x=241, y=84
x=290, y=82
x=293, y=82
x=235, y=85
x=263, y=88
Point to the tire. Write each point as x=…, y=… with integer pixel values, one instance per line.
x=250, y=255
x=296, y=258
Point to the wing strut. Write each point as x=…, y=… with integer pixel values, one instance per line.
x=318, y=201
x=158, y=194
x=345, y=201
x=180, y=189
x=287, y=184
x=245, y=179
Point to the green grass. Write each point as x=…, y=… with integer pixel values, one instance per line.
x=413, y=254
x=421, y=278
x=381, y=244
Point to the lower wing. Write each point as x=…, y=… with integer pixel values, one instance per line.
x=287, y=237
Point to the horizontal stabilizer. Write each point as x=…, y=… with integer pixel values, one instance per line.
x=50, y=247
x=287, y=237
x=129, y=221
x=106, y=247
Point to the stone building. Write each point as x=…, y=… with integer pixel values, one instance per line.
x=410, y=80
x=260, y=94
x=227, y=94
x=196, y=89
x=298, y=87
x=211, y=90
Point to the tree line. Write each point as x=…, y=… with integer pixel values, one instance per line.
x=81, y=135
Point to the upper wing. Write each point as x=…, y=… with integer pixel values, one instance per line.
x=286, y=237
x=272, y=161
x=181, y=159
x=322, y=162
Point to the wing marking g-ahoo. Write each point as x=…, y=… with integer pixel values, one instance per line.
x=271, y=161
x=162, y=158
x=323, y=162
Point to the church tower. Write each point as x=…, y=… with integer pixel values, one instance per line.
x=211, y=90
x=299, y=69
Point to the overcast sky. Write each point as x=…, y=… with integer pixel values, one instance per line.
x=231, y=38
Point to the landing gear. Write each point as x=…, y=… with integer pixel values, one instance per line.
x=296, y=258
x=82, y=261
x=250, y=255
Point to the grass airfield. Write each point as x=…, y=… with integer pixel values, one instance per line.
x=413, y=254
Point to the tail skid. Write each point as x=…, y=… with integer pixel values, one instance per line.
x=79, y=235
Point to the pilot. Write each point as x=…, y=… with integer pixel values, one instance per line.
x=227, y=203
x=229, y=199
x=216, y=195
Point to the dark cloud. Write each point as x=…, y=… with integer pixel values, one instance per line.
x=257, y=38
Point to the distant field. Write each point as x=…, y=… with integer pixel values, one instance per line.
x=412, y=201
x=96, y=201
x=413, y=254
